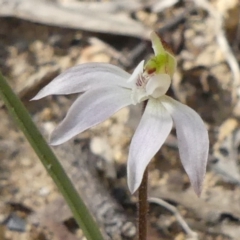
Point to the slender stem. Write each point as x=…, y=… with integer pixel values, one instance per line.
x=143, y=207
x=143, y=200
x=50, y=162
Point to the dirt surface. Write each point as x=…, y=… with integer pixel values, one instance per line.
x=32, y=54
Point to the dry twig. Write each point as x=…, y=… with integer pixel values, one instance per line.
x=160, y=6
x=52, y=13
x=223, y=43
x=193, y=235
x=110, y=50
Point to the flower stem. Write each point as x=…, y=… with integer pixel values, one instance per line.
x=143, y=207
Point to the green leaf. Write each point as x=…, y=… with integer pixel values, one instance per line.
x=50, y=162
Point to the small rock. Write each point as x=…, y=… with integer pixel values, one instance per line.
x=44, y=191
x=101, y=147
x=15, y=223
x=122, y=116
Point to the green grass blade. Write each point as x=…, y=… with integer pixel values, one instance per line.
x=50, y=162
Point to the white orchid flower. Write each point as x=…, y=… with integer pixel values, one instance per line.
x=108, y=88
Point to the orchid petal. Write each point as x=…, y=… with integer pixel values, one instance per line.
x=137, y=71
x=158, y=85
x=84, y=77
x=89, y=109
x=192, y=140
x=138, y=95
x=152, y=131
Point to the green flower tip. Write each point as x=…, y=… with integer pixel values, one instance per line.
x=164, y=60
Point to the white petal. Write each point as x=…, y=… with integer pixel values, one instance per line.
x=158, y=85
x=84, y=77
x=89, y=109
x=192, y=140
x=153, y=129
x=139, y=95
x=137, y=71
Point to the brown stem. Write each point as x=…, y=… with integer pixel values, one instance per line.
x=143, y=207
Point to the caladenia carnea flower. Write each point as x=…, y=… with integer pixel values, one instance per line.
x=107, y=88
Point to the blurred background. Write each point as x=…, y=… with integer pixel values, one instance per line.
x=40, y=39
